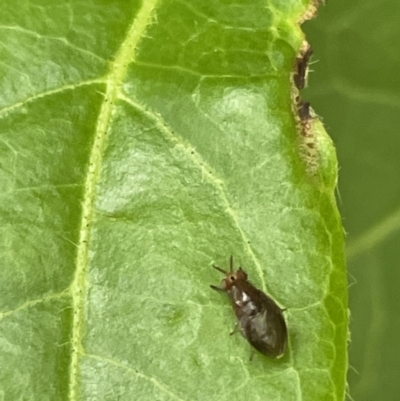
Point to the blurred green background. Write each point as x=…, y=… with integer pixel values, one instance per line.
x=355, y=86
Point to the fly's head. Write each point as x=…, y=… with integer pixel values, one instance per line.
x=232, y=278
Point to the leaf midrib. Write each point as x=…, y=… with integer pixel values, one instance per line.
x=117, y=72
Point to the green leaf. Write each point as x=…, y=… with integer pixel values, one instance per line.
x=139, y=144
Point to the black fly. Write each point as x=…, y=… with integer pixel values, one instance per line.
x=260, y=319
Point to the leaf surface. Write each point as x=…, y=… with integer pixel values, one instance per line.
x=140, y=143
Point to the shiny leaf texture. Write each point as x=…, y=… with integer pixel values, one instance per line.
x=139, y=144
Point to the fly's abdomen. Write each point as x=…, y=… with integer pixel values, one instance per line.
x=259, y=318
x=266, y=331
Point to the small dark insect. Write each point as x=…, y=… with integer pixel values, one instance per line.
x=300, y=73
x=259, y=318
x=304, y=110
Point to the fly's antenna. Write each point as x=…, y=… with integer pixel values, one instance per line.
x=220, y=270
x=231, y=264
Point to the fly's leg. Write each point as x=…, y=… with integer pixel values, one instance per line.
x=235, y=330
x=251, y=355
x=219, y=289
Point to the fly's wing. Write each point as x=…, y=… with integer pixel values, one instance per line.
x=266, y=330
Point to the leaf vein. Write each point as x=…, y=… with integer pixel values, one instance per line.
x=34, y=302
x=205, y=168
x=6, y=110
x=135, y=372
x=201, y=75
x=115, y=78
x=64, y=41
